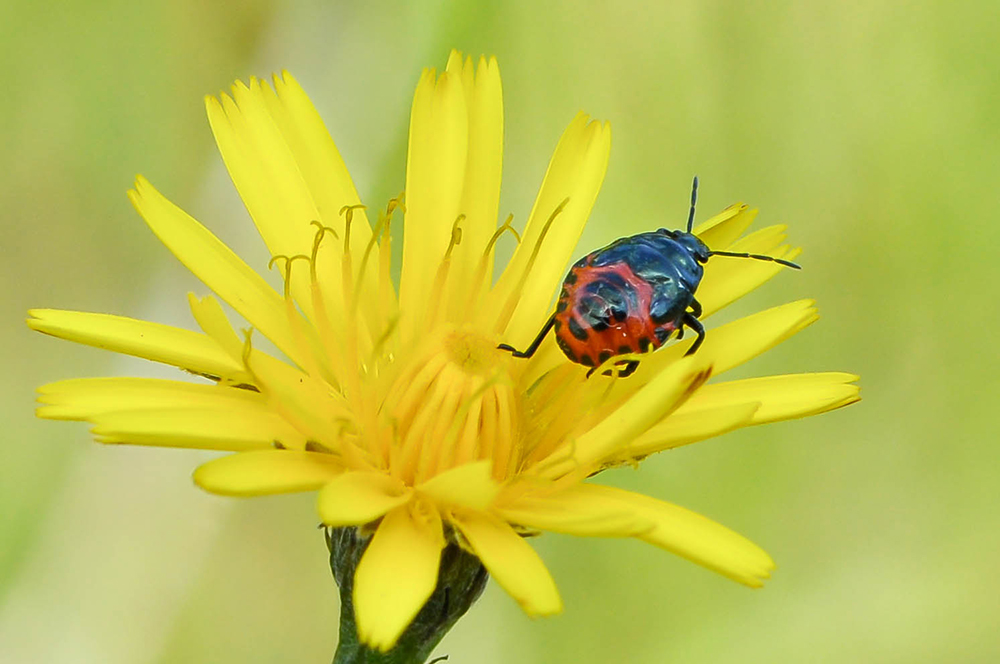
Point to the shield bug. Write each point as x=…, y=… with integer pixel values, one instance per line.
x=631, y=296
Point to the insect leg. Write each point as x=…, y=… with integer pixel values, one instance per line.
x=628, y=369
x=695, y=308
x=625, y=369
x=530, y=350
x=695, y=324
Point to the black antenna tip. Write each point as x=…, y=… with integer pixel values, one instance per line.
x=694, y=199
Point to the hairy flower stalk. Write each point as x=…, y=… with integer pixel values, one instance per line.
x=392, y=400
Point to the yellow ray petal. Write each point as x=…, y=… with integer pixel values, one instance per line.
x=727, y=279
x=647, y=406
x=185, y=349
x=481, y=191
x=289, y=173
x=320, y=163
x=780, y=397
x=685, y=426
x=304, y=401
x=397, y=573
x=217, y=266
x=511, y=562
x=326, y=175
x=358, y=497
x=577, y=510
x=435, y=168
x=265, y=472
x=471, y=485
x=732, y=344
x=82, y=398
x=212, y=320
x=698, y=539
x=196, y=427
x=722, y=230
x=576, y=173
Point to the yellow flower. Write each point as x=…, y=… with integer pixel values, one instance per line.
x=397, y=405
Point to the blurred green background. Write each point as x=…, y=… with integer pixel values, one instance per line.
x=871, y=128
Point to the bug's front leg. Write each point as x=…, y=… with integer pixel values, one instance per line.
x=530, y=350
x=691, y=321
x=695, y=308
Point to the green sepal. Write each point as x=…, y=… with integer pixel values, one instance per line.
x=461, y=580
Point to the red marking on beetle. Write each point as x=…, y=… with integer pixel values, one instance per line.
x=628, y=333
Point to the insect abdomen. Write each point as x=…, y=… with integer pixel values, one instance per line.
x=604, y=311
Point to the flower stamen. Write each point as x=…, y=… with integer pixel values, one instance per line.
x=478, y=282
x=289, y=260
x=515, y=295
x=438, y=290
x=314, y=357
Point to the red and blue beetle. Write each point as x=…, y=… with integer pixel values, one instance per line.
x=631, y=296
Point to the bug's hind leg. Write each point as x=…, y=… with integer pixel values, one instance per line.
x=628, y=368
x=625, y=369
x=692, y=321
x=530, y=350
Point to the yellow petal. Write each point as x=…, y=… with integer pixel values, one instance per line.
x=780, y=397
x=188, y=350
x=435, y=168
x=82, y=398
x=481, y=191
x=742, y=340
x=722, y=230
x=471, y=485
x=331, y=188
x=730, y=345
x=217, y=266
x=698, y=539
x=647, y=406
x=397, y=573
x=685, y=426
x=196, y=427
x=511, y=562
x=320, y=163
x=727, y=278
x=576, y=173
x=267, y=472
x=304, y=401
x=577, y=510
x=212, y=320
x=289, y=173
x=359, y=497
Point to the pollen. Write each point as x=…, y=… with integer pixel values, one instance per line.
x=454, y=405
x=473, y=353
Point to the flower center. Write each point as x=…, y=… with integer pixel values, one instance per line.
x=472, y=352
x=453, y=406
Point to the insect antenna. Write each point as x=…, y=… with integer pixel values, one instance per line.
x=758, y=257
x=694, y=199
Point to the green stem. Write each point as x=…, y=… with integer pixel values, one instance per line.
x=461, y=579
